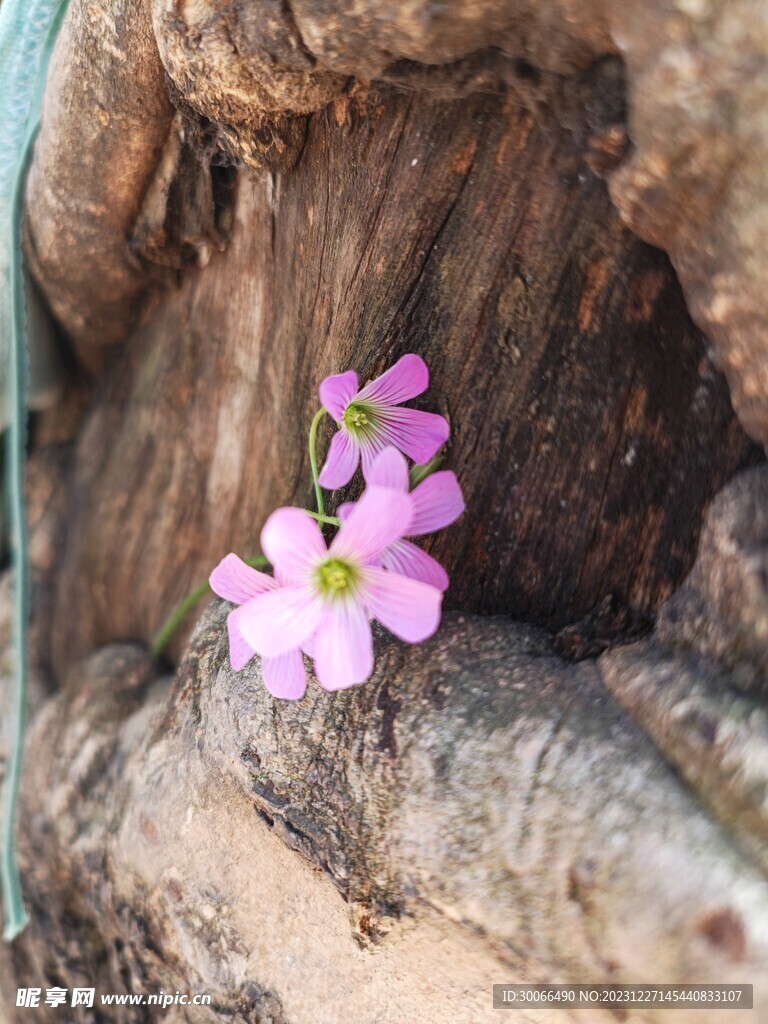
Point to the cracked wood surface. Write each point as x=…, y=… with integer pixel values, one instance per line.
x=696, y=79
x=581, y=399
x=480, y=811
x=481, y=807
x=698, y=686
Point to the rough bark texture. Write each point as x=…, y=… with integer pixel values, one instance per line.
x=698, y=686
x=696, y=79
x=481, y=811
x=107, y=115
x=580, y=396
x=697, y=84
x=696, y=184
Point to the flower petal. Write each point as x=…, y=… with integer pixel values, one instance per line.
x=343, y=512
x=240, y=651
x=408, y=560
x=408, y=608
x=341, y=461
x=337, y=392
x=388, y=469
x=285, y=676
x=370, y=449
x=293, y=543
x=436, y=502
x=406, y=379
x=376, y=521
x=418, y=434
x=280, y=620
x=343, y=646
x=235, y=581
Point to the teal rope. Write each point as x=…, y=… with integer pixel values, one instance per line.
x=15, y=914
x=37, y=26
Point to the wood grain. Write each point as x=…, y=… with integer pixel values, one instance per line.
x=589, y=426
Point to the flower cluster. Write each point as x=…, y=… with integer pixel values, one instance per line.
x=321, y=598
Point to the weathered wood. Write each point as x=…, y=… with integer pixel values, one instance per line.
x=480, y=807
x=480, y=811
x=696, y=83
x=106, y=118
x=695, y=183
x=581, y=399
x=698, y=686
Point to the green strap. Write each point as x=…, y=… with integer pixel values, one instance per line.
x=28, y=32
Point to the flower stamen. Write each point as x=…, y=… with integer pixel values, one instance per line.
x=359, y=419
x=335, y=577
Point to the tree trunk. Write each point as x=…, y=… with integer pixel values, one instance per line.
x=228, y=203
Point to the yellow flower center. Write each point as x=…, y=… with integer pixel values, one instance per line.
x=359, y=419
x=336, y=577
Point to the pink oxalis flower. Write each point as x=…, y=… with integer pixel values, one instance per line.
x=371, y=419
x=435, y=503
x=232, y=579
x=323, y=598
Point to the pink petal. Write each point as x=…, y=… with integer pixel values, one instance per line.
x=388, y=469
x=285, y=676
x=341, y=461
x=235, y=581
x=343, y=512
x=406, y=379
x=408, y=560
x=418, y=434
x=240, y=651
x=344, y=645
x=376, y=521
x=408, y=608
x=370, y=449
x=337, y=392
x=280, y=620
x=436, y=502
x=293, y=543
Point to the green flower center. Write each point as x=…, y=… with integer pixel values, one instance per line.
x=336, y=577
x=359, y=419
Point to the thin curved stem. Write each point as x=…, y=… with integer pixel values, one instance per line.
x=313, y=461
x=165, y=634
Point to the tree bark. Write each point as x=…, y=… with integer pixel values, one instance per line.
x=229, y=202
x=581, y=397
x=484, y=811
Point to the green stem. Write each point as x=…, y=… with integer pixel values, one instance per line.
x=313, y=460
x=419, y=473
x=164, y=635
x=330, y=520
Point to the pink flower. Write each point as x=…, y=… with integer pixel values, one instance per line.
x=371, y=420
x=327, y=597
x=284, y=675
x=435, y=502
